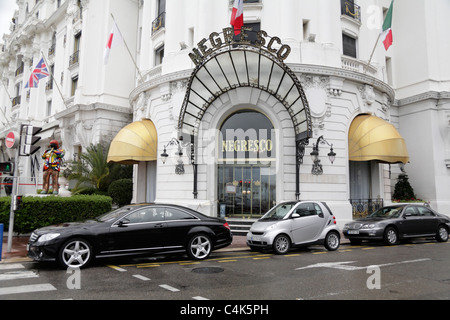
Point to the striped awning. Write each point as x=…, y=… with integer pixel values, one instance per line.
x=135, y=143
x=372, y=138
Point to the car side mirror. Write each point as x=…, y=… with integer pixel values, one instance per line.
x=295, y=216
x=123, y=222
x=407, y=214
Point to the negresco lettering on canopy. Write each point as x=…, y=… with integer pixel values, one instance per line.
x=215, y=41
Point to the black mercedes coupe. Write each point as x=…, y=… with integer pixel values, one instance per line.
x=134, y=230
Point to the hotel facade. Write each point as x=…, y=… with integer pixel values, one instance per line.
x=305, y=103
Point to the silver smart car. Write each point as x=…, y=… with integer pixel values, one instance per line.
x=295, y=224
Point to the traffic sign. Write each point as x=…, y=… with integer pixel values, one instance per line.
x=11, y=140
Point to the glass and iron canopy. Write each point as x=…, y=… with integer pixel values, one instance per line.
x=231, y=66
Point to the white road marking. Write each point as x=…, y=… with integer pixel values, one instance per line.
x=167, y=287
x=10, y=266
x=18, y=275
x=27, y=289
x=199, y=298
x=141, y=277
x=345, y=266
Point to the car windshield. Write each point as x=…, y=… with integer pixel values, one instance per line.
x=279, y=212
x=112, y=215
x=387, y=212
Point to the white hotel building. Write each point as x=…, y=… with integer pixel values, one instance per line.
x=250, y=110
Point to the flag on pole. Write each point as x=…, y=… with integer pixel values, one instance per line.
x=237, y=16
x=114, y=39
x=38, y=73
x=386, y=35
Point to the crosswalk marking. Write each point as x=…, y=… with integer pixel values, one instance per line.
x=10, y=266
x=18, y=275
x=27, y=289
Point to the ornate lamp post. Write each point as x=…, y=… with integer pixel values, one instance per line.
x=317, y=166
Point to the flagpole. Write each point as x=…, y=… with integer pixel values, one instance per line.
x=128, y=49
x=10, y=100
x=373, y=51
x=54, y=80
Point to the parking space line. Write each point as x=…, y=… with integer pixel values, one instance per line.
x=116, y=268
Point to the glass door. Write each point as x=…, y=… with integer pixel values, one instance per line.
x=246, y=190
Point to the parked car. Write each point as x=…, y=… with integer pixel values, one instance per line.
x=131, y=230
x=397, y=222
x=295, y=224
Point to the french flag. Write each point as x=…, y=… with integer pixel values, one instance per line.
x=237, y=16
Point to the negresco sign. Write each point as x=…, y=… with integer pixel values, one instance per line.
x=216, y=41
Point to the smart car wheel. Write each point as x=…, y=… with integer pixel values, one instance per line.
x=199, y=247
x=390, y=236
x=332, y=241
x=442, y=234
x=281, y=244
x=75, y=253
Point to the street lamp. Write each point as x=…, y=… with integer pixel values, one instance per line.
x=317, y=166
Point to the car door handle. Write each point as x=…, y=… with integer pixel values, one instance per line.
x=159, y=225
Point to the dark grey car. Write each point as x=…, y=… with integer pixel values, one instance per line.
x=398, y=222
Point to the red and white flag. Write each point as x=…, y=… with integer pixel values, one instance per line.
x=237, y=16
x=114, y=39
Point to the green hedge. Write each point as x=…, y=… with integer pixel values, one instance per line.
x=37, y=212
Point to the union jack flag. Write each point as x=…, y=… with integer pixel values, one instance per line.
x=38, y=73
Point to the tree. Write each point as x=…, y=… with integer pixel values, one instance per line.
x=93, y=170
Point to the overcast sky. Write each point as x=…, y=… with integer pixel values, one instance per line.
x=7, y=8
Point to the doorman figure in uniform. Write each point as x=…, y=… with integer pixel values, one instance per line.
x=52, y=165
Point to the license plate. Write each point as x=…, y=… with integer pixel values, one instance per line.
x=353, y=232
x=256, y=238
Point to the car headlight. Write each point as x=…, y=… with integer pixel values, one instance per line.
x=48, y=237
x=368, y=226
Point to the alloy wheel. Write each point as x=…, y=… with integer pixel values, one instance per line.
x=76, y=253
x=199, y=247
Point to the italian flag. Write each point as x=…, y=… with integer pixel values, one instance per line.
x=387, y=28
x=237, y=16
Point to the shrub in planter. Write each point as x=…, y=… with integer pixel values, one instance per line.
x=121, y=191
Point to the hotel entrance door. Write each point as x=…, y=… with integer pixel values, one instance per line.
x=246, y=190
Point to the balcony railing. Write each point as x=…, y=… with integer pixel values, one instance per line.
x=74, y=58
x=361, y=208
x=16, y=101
x=159, y=22
x=350, y=9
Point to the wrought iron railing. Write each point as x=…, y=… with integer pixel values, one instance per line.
x=361, y=208
x=74, y=58
x=159, y=22
x=350, y=9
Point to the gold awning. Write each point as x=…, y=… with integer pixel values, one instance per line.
x=136, y=142
x=372, y=138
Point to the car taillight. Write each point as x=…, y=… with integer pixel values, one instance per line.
x=334, y=219
x=226, y=225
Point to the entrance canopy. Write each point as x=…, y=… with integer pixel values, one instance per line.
x=230, y=64
x=372, y=138
x=136, y=142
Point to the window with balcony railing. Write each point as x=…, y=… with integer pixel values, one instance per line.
x=159, y=22
x=350, y=9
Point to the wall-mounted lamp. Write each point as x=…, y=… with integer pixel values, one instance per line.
x=317, y=167
x=179, y=168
